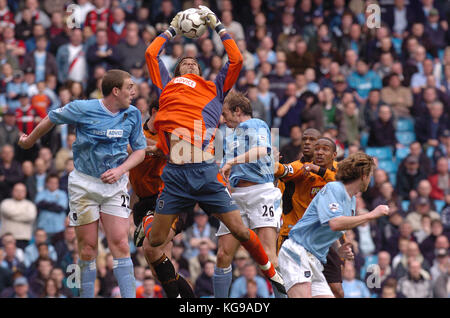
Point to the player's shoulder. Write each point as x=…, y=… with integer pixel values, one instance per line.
x=334, y=187
x=254, y=123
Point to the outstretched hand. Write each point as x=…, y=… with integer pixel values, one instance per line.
x=175, y=23
x=211, y=18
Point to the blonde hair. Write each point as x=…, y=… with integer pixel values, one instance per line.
x=354, y=167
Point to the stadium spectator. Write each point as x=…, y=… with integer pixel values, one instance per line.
x=239, y=286
x=71, y=59
x=353, y=288
x=149, y=289
x=440, y=264
x=382, y=130
x=9, y=133
x=200, y=231
x=397, y=96
x=291, y=152
x=422, y=208
x=102, y=53
x=299, y=60
x=131, y=48
x=10, y=169
x=383, y=272
x=21, y=289
x=288, y=113
x=416, y=283
x=32, y=251
x=412, y=254
x=41, y=274
x=440, y=182
x=440, y=288
x=408, y=177
x=17, y=216
x=197, y=263
x=52, y=204
x=42, y=62
x=203, y=284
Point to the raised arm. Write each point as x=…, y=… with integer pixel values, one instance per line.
x=229, y=73
x=157, y=70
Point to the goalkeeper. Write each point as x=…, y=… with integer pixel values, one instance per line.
x=190, y=109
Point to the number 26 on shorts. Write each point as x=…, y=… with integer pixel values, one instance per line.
x=268, y=211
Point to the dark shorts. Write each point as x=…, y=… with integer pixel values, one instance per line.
x=144, y=205
x=188, y=184
x=332, y=269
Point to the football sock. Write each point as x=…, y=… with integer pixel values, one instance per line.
x=184, y=288
x=88, y=270
x=222, y=281
x=123, y=271
x=254, y=247
x=167, y=276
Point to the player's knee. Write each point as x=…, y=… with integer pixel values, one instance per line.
x=88, y=251
x=121, y=246
x=224, y=257
x=156, y=240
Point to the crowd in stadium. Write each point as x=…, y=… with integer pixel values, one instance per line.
x=307, y=64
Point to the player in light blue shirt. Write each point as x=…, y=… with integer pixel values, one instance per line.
x=329, y=215
x=248, y=166
x=98, y=185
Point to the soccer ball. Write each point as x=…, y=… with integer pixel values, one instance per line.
x=191, y=24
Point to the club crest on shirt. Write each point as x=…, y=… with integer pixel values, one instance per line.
x=333, y=207
x=314, y=191
x=185, y=81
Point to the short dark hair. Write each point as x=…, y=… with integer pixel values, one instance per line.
x=113, y=78
x=50, y=176
x=236, y=100
x=333, y=144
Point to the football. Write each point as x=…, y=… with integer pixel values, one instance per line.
x=191, y=24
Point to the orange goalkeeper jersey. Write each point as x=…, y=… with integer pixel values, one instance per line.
x=145, y=178
x=299, y=190
x=189, y=106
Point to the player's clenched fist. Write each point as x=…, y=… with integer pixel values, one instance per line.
x=379, y=211
x=25, y=142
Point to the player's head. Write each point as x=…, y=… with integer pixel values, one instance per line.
x=356, y=167
x=187, y=65
x=324, y=152
x=153, y=108
x=118, y=85
x=309, y=138
x=236, y=108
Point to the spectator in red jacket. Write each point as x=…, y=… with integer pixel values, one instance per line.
x=440, y=181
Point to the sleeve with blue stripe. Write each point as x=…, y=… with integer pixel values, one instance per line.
x=229, y=73
x=157, y=70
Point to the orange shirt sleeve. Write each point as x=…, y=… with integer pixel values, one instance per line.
x=156, y=68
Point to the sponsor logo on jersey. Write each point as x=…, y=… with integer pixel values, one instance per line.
x=114, y=133
x=185, y=81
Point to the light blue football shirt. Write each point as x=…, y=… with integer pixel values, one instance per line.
x=312, y=231
x=247, y=135
x=102, y=136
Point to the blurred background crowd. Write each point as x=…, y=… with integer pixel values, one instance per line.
x=307, y=63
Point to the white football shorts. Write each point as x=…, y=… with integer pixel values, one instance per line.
x=297, y=265
x=88, y=196
x=260, y=206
